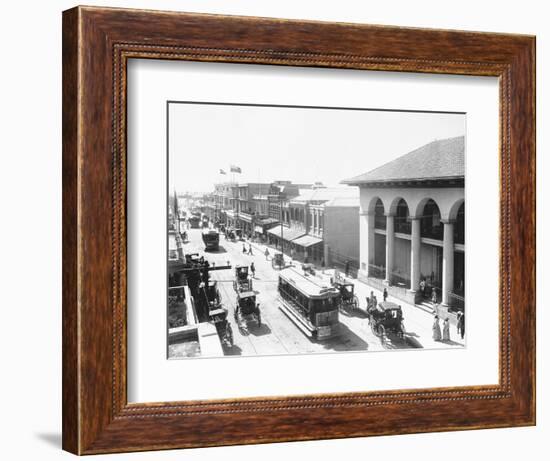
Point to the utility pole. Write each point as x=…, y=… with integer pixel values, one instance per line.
x=281, y=212
x=281, y=197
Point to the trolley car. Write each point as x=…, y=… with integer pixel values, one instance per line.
x=211, y=240
x=310, y=302
x=194, y=221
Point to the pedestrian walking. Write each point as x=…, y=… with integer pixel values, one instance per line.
x=434, y=296
x=460, y=323
x=347, y=268
x=436, y=329
x=385, y=294
x=266, y=253
x=244, y=248
x=253, y=270
x=250, y=249
x=370, y=300
x=446, y=331
x=374, y=302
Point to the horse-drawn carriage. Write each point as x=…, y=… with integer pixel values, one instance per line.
x=386, y=318
x=349, y=300
x=242, y=280
x=247, y=310
x=218, y=314
x=219, y=317
x=278, y=261
x=230, y=234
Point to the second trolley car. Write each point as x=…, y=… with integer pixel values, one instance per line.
x=211, y=239
x=310, y=302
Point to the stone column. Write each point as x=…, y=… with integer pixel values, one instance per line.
x=415, y=254
x=390, y=240
x=326, y=253
x=366, y=241
x=317, y=223
x=448, y=261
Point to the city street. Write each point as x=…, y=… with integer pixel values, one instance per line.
x=278, y=334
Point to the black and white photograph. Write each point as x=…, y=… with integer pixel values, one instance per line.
x=306, y=230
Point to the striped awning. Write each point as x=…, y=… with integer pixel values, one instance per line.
x=288, y=233
x=307, y=241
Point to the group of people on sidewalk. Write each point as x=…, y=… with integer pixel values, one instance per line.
x=444, y=334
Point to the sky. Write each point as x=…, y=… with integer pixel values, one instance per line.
x=303, y=145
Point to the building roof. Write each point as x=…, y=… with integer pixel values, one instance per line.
x=439, y=160
x=325, y=194
x=311, y=285
x=350, y=202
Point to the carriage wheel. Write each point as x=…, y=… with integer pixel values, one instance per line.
x=373, y=326
x=355, y=302
x=401, y=330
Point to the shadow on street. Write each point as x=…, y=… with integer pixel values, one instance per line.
x=346, y=341
x=263, y=330
x=221, y=249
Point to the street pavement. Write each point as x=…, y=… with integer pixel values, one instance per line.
x=278, y=334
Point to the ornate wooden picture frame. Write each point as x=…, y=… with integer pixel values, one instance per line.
x=97, y=44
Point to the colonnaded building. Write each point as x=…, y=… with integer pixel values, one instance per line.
x=412, y=224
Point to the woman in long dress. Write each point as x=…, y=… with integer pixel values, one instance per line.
x=446, y=331
x=436, y=329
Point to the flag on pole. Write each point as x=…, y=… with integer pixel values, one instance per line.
x=235, y=169
x=222, y=171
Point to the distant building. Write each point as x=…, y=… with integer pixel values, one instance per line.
x=412, y=223
x=341, y=232
x=316, y=224
x=252, y=207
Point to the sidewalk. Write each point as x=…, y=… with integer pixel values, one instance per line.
x=418, y=322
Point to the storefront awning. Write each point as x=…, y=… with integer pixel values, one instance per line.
x=267, y=221
x=288, y=234
x=259, y=229
x=307, y=241
x=245, y=217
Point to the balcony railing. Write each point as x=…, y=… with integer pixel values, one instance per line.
x=377, y=272
x=380, y=222
x=402, y=226
x=456, y=302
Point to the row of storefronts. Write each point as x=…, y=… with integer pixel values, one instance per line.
x=310, y=222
